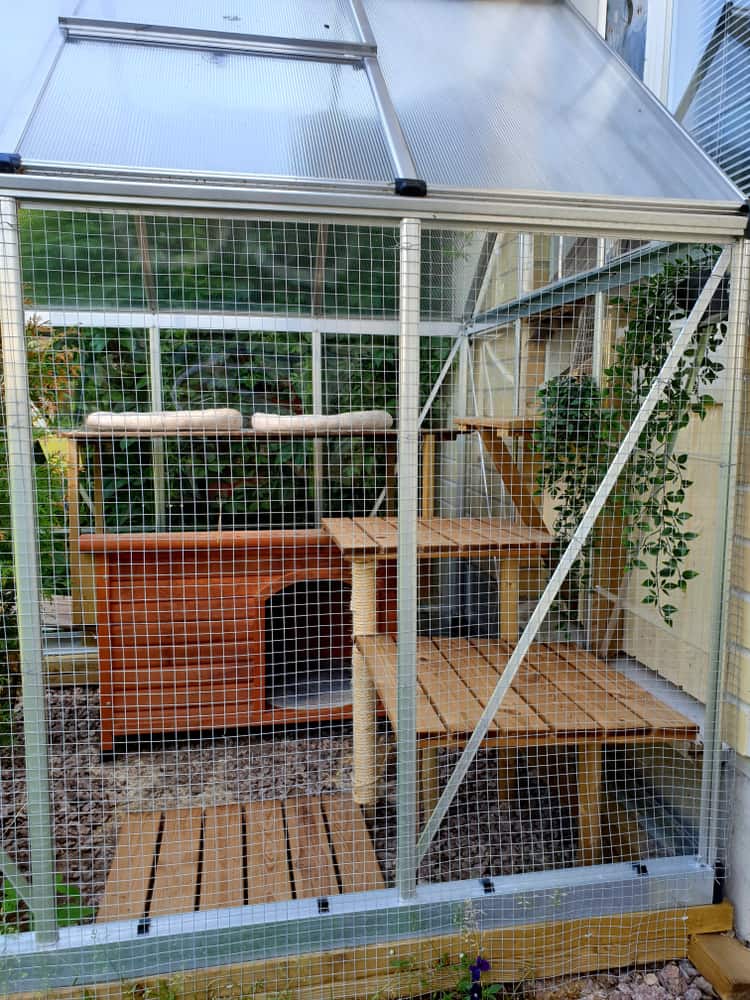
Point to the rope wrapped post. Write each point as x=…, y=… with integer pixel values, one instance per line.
x=364, y=695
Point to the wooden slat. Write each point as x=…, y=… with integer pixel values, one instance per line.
x=561, y=713
x=607, y=711
x=357, y=863
x=380, y=654
x=312, y=864
x=126, y=891
x=222, y=878
x=349, y=534
x=725, y=963
x=153, y=699
x=480, y=672
x=446, y=689
x=655, y=713
x=267, y=863
x=176, y=879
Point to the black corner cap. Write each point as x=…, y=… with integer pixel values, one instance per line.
x=746, y=212
x=720, y=879
x=10, y=163
x=410, y=187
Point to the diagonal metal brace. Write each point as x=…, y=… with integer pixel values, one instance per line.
x=581, y=534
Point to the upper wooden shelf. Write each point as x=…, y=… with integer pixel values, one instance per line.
x=81, y=434
x=503, y=426
x=377, y=537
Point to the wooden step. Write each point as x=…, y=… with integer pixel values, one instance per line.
x=182, y=860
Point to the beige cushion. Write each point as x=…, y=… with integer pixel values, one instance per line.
x=360, y=420
x=177, y=420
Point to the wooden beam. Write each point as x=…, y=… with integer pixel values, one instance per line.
x=414, y=966
x=724, y=962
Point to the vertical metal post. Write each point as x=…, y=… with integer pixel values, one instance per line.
x=708, y=839
x=597, y=354
x=156, y=403
x=525, y=284
x=26, y=565
x=317, y=407
x=408, y=462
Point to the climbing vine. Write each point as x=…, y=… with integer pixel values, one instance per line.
x=582, y=424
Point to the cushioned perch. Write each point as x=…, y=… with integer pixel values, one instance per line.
x=167, y=421
x=357, y=421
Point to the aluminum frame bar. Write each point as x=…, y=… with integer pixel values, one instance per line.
x=603, y=278
x=274, y=46
x=20, y=447
x=398, y=147
x=739, y=309
x=406, y=581
x=170, y=191
x=226, y=322
x=573, y=550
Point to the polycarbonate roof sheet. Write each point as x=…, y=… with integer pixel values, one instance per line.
x=525, y=96
x=320, y=19
x=492, y=95
x=181, y=109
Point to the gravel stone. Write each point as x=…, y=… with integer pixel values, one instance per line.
x=672, y=979
x=693, y=993
x=704, y=986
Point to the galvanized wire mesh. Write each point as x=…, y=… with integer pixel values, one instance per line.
x=204, y=581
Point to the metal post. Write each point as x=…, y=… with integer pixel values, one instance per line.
x=156, y=402
x=572, y=552
x=317, y=408
x=408, y=462
x=708, y=840
x=26, y=565
x=600, y=308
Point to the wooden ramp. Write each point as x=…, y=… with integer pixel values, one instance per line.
x=181, y=860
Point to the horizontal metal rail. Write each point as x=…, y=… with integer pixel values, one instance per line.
x=137, y=33
x=622, y=271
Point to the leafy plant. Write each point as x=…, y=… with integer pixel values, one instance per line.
x=48, y=365
x=69, y=911
x=583, y=424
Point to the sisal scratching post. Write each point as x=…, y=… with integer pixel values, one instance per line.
x=364, y=696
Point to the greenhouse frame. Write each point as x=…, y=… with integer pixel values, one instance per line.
x=372, y=418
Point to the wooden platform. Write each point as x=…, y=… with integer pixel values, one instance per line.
x=181, y=860
x=561, y=694
x=377, y=537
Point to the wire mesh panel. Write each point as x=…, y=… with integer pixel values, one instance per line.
x=269, y=640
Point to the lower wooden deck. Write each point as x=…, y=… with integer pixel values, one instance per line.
x=184, y=860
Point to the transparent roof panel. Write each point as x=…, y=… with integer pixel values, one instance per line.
x=492, y=95
x=319, y=19
x=520, y=95
x=183, y=109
